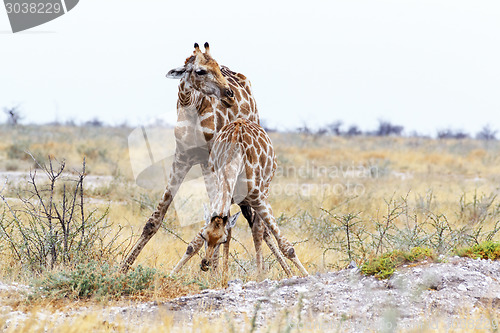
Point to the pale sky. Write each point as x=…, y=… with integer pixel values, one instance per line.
x=426, y=65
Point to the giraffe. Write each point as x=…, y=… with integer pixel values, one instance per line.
x=243, y=162
x=209, y=97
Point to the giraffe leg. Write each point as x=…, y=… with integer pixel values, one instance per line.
x=180, y=168
x=249, y=216
x=225, y=258
x=193, y=248
x=266, y=214
x=255, y=227
x=274, y=249
x=257, y=233
x=208, y=176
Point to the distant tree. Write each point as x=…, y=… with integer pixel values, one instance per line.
x=94, y=123
x=416, y=134
x=452, y=134
x=13, y=115
x=486, y=133
x=385, y=128
x=124, y=124
x=70, y=122
x=321, y=131
x=304, y=129
x=353, y=130
x=334, y=128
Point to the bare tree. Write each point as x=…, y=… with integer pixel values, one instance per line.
x=13, y=115
x=334, y=127
x=487, y=133
x=452, y=134
x=353, y=131
x=385, y=128
x=304, y=129
x=95, y=122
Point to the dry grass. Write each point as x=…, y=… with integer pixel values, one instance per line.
x=347, y=175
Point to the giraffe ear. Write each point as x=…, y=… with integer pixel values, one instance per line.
x=176, y=73
x=232, y=220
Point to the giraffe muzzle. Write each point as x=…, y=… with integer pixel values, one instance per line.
x=227, y=98
x=205, y=264
x=229, y=93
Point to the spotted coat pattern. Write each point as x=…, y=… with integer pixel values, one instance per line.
x=210, y=96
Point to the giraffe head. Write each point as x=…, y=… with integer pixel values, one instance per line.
x=214, y=234
x=202, y=72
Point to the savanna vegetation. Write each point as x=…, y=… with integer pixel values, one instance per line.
x=70, y=210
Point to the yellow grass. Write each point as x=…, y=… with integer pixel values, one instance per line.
x=350, y=175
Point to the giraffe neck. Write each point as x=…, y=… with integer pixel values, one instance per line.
x=228, y=161
x=227, y=170
x=200, y=117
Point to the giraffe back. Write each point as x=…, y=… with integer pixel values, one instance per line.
x=245, y=106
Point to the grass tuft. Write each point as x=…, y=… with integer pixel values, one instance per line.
x=385, y=265
x=484, y=250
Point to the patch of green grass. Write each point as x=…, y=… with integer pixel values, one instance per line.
x=199, y=282
x=95, y=280
x=384, y=266
x=484, y=250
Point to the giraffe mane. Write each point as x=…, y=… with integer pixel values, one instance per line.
x=189, y=59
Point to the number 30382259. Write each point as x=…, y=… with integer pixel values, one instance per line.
x=33, y=8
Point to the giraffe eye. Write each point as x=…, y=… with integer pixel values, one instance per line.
x=201, y=72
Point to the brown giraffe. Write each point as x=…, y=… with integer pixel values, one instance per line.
x=209, y=97
x=243, y=162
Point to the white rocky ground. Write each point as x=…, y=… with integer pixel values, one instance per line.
x=412, y=298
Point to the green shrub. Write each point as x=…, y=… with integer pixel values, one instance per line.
x=485, y=250
x=384, y=266
x=96, y=280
